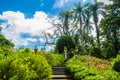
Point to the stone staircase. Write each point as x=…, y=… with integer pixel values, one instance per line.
x=60, y=73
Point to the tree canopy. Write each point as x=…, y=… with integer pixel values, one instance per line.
x=5, y=42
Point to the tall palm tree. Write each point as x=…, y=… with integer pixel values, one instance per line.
x=65, y=17
x=96, y=9
x=78, y=17
x=87, y=24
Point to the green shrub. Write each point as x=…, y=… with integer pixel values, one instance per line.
x=96, y=52
x=99, y=69
x=79, y=71
x=54, y=59
x=84, y=73
x=6, y=51
x=25, y=50
x=116, y=64
x=111, y=75
x=1, y=56
x=25, y=67
x=96, y=77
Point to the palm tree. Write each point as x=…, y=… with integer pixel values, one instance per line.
x=65, y=17
x=78, y=17
x=96, y=9
x=87, y=24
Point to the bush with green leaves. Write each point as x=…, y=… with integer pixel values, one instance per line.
x=54, y=59
x=6, y=51
x=80, y=72
x=25, y=50
x=1, y=56
x=91, y=68
x=116, y=64
x=111, y=75
x=25, y=67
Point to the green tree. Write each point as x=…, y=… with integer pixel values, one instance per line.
x=96, y=9
x=65, y=17
x=65, y=41
x=87, y=24
x=110, y=26
x=5, y=42
x=78, y=18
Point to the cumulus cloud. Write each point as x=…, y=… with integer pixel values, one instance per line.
x=15, y=24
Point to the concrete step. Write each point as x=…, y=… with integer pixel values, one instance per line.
x=61, y=77
x=59, y=71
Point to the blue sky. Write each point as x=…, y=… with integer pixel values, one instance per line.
x=29, y=7
x=23, y=20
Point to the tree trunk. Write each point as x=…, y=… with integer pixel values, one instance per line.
x=95, y=18
x=81, y=27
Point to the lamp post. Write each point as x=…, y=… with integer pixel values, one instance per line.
x=76, y=50
x=65, y=52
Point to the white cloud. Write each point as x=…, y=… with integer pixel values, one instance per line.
x=84, y=0
x=65, y=3
x=42, y=40
x=60, y=3
x=19, y=24
x=105, y=1
x=31, y=39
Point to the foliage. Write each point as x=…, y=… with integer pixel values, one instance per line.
x=25, y=50
x=77, y=23
x=6, y=46
x=110, y=28
x=6, y=51
x=5, y=42
x=25, y=67
x=65, y=17
x=96, y=52
x=81, y=50
x=116, y=64
x=91, y=68
x=80, y=72
x=64, y=41
x=1, y=56
x=54, y=59
x=96, y=9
